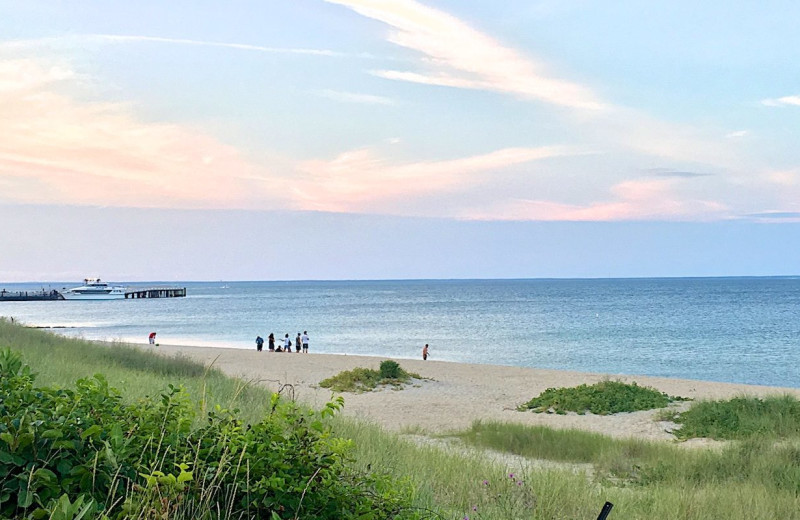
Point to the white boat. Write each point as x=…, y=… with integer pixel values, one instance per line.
x=94, y=289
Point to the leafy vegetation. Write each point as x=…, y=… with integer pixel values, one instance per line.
x=603, y=398
x=365, y=379
x=63, y=447
x=740, y=418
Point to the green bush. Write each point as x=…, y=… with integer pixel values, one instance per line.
x=390, y=370
x=61, y=450
x=366, y=379
x=603, y=398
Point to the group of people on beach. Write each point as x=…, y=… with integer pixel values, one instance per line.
x=300, y=342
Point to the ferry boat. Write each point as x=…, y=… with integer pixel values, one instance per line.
x=94, y=289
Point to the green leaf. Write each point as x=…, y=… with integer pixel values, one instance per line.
x=45, y=474
x=24, y=499
x=7, y=437
x=91, y=431
x=69, y=445
x=52, y=434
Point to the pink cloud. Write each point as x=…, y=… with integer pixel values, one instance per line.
x=54, y=149
x=359, y=180
x=639, y=199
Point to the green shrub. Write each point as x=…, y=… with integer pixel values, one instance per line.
x=390, y=370
x=61, y=450
x=603, y=398
x=366, y=379
x=741, y=418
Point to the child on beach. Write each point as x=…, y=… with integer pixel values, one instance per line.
x=259, y=343
x=425, y=352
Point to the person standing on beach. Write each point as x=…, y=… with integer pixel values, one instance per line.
x=259, y=343
x=425, y=352
x=271, y=339
x=152, y=338
x=287, y=343
x=305, y=342
x=297, y=341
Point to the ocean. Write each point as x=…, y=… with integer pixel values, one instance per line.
x=743, y=330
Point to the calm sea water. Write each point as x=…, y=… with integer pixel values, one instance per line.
x=720, y=329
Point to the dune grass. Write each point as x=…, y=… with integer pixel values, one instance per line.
x=741, y=418
x=757, y=461
x=755, y=479
x=61, y=361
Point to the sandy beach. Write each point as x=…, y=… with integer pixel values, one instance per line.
x=453, y=395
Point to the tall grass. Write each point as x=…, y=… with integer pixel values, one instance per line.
x=136, y=373
x=741, y=418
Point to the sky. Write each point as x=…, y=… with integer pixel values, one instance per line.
x=398, y=139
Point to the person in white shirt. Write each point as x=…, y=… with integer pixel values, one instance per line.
x=287, y=344
x=305, y=341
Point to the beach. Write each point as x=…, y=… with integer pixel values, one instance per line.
x=453, y=395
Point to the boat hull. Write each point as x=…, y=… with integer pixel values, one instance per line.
x=97, y=296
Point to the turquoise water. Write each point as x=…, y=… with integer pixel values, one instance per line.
x=720, y=329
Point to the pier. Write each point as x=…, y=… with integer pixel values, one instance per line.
x=155, y=292
x=29, y=296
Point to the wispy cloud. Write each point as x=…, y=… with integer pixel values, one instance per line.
x=668, y=172
x=775, y=215
x=782, y=101
x=638, y=199
x=453, y=54
x=354, y=97
x=458, y=55
x=121, y=38
x=737, y=134
x=360, y=180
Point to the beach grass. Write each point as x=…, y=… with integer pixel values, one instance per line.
x=742, y=417
x=757, y=478
x=136, y=373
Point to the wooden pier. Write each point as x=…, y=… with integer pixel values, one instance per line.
x=155, y=292
x=29, y=296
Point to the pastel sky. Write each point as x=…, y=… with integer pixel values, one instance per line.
x=519, y=111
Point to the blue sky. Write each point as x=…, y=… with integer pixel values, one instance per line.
x=461, y=114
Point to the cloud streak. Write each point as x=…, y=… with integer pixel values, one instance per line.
x=360, y=180
x=122, y=39
x=782, y=101
x=354, y=97
x=637, y=199
x=459, y=56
